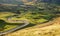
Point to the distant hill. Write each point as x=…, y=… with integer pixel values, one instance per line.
x=52, y=1
x=20, y=1
x=11, y=2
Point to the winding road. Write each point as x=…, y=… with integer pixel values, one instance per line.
x=55, y=21
x=44, y=29
x=18, y=27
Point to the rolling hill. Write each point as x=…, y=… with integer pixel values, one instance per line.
x=20, y=1
x=11, y=2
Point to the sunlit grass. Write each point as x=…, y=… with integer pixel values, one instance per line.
x=31, y=18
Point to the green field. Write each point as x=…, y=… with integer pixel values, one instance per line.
x=32, y=18
x=35, y=14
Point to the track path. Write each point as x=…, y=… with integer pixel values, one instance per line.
x=18, y=27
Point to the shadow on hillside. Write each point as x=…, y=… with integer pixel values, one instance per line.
x=3, y=24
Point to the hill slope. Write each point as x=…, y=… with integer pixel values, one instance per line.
x=52, y=30
x=11, y=1
x=20, y=1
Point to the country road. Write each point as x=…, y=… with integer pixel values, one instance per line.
x=18, y=27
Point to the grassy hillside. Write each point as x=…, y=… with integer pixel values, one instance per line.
x=38, y=30
x=11, y=1
x=39, y=15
